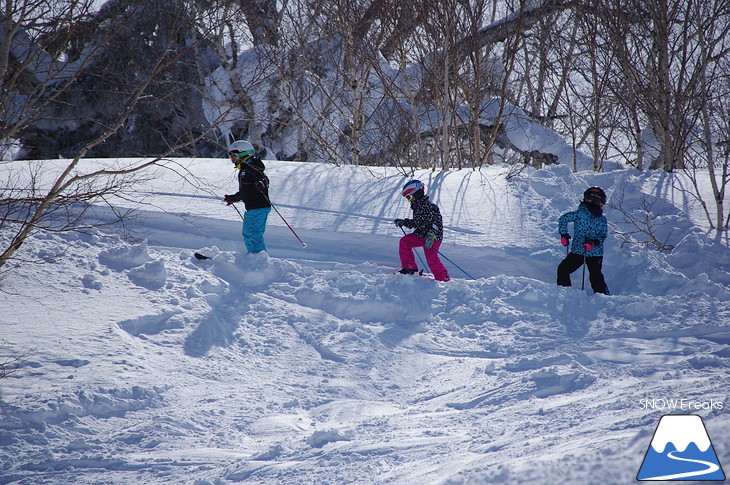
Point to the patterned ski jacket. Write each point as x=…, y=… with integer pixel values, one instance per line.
x=586, y=227
x=426, y=219
x=253, y=185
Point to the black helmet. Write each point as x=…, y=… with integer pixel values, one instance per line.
x=594, y=195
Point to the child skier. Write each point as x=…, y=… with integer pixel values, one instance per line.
x=428, y=233
x=253, y=190
x=589, y=231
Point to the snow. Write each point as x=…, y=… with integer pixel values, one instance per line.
x=142, y=364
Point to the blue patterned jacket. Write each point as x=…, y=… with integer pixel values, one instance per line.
x=586, y=227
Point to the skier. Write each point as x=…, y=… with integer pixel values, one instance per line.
x=589, y=231
x=253, y=191
x=428, y=233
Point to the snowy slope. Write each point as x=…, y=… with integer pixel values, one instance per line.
x=309, y=366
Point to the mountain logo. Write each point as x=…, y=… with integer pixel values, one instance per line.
x=680, y=450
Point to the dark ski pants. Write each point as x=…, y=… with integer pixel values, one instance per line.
x=574, y=261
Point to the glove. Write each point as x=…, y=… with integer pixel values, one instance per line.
x=228, y=199
x=399, y=222
x=429, y=240
x=588, y=245
x=260, y=185
x=565, y=239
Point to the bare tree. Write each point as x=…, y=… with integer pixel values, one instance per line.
x=354, y=62
x=381, y=82
x=657, y=69
x=711, y=159
x=642, y=226
x=673, y=90
x=70, y=70
x=31, y=78
x=50, y=66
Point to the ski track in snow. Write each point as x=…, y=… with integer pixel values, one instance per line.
x=146, y=365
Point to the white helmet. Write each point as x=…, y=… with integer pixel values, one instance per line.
x=412, y=187
x=241, y=149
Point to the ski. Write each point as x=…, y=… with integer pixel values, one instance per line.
x=420, y=272
x=201, y=256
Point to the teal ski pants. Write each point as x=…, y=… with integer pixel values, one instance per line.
x=254, y=225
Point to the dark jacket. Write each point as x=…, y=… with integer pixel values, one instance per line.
x=426, y=218
x=589, y=224
x=253, y=185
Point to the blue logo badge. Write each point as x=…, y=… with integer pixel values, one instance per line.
x=681, y=450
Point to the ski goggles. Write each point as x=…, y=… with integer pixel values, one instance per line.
x=239, y=156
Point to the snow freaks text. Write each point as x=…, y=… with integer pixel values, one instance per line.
x=680, y=404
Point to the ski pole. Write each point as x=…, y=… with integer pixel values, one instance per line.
x=304, y=245
x=417, y=253
x=239, y=212
x=583, y=282
x=459, y=267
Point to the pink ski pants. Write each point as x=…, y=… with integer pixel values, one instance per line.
x=408, y=259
